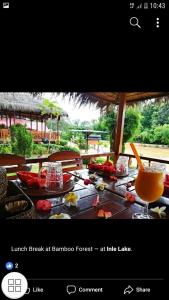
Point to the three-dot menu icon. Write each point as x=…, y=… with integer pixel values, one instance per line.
x=157, y=22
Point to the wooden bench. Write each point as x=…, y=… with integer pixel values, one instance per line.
x=12, y=164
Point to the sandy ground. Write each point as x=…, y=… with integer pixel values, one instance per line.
x=149, y=151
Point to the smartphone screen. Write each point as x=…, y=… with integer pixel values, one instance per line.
x=84, y=150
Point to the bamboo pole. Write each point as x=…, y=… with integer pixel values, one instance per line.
x=119, y=126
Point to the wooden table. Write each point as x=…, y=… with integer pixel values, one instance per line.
x=111, y=199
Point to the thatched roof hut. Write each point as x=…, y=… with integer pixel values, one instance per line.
x=22, y=105
x=103, y=99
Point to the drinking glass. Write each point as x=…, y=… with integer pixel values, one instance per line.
x=54, y=177
x=149, y=186
x=122, y=166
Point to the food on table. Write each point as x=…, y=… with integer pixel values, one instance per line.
x=36, y=182
x=113, y=178
x=24, y=176
x=31, y=179
x=87, y=181
x=71, y=199
x=60, y=216
x=107, y=167
x=43, y=205
x=104, y=214
x=130, y=197
x=66, y=177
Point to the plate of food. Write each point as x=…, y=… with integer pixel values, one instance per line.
x=108, y=169
x=35, y=186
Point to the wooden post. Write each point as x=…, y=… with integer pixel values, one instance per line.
x=31, y=121
x=10, y=120
x=6, y=121
x=14, y=118
x=119, y=126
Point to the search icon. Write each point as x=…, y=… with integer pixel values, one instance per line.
x=134, y=22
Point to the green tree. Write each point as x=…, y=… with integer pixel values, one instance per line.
x=21, y=140
x=163, y=114
x=52, y=109
x=132, y=124
x=161, y=134
x=110, y=125
x=149, y=114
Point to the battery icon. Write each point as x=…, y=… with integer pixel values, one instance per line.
x=5, y=4
x=145, y=5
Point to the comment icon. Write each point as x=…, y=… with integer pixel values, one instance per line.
x=71, y=289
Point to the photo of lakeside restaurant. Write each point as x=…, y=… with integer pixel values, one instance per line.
x=68, y=184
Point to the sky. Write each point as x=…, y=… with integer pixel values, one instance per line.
x=84, y=113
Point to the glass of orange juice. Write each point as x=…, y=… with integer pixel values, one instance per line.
x=149, y=186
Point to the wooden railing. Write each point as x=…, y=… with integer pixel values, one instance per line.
x=89, y=157
x=38, y=136
x=149, y=159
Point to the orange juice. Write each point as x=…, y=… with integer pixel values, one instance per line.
x=149, y=184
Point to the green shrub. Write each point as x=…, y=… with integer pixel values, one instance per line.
x=55, y=148
x=104, y=143
x=21, y=140
x=85, y=161
x=69, y=148
x=161, y=134
x=52, y=147
x=5, y=149
x=62, y=142
x=39, y=149
x=147, y=136
x=100, y=160
x=66, y=135
x=80, y=141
